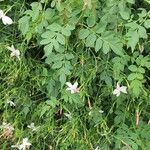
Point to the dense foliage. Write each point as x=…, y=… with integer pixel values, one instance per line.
x=74, y=74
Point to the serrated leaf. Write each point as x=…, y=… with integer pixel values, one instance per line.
x=83, y=33
x=98, y=45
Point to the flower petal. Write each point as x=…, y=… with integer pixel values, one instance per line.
x=75, y=85
x=1, y=13
x=116, y=91
x=123, y=89
x=7, y=20
x=69, y=84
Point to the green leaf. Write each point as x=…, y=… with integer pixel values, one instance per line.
x=45, y=41
x=57, y=65
x=136, y=86
x=147, y=23
x=133, y=39
x=100, y=27
x=24, y=24
x=117, y=49
x=54, y=27
x=139, y=76
x=48, y=49
x=125, y=14
x=106, y=47
x=91, y=20
x=65, y=31
x=131, y=1
x=48, y=34
x=141, y=70
x=55, y=44
x=69, y=56
x=132, y=76
x=53, y=102
x=132, y=68
x=62, y=79
x=142, y=32
x=61, y=39
x=90, y=40
x=83, y=33
x=98, y=45
x=44, y=109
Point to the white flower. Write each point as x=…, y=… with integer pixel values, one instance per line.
x=25, y=144
x=7, y=126
x=14, y=52
x=32, y=127
x=72, y=87
x=5, y=19
x=119, y=89
x=11, y=103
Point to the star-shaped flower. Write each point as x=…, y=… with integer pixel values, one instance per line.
x=14, y=52
x=119, y=89
x=5, y=19
x=72, y=87
x=25, y=144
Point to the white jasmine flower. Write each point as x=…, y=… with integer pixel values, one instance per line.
x=25, y=144
x=32, y=127
x=5, y=19
x=11, y=103
x=7, y=126
x=72, y=87
x=14, y=52
x=119, y=89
